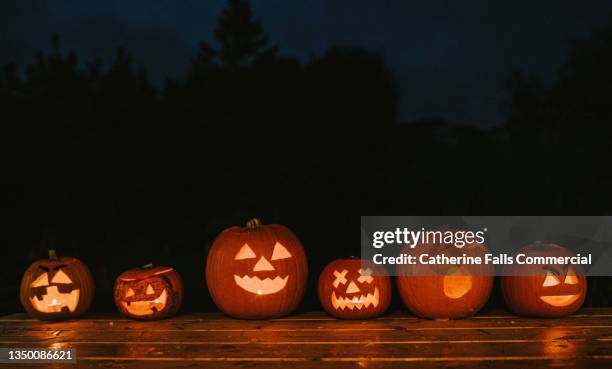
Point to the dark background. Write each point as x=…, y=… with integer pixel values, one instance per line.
x=119, y=168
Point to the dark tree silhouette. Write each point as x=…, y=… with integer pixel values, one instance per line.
x=240, y=36
x=559, y=131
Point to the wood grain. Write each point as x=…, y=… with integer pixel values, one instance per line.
x=492, y=340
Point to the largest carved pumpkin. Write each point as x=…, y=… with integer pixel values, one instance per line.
x=256, y=272
x=544, y=290
x=445, y=291
x=56, y=288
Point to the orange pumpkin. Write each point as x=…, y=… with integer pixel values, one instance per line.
x=257, y=272
x=149, y=293
x=544, y=290
x=445, y=291
x=354, y=289
x=56, y=288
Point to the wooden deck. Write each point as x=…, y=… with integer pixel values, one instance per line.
x=492, y=340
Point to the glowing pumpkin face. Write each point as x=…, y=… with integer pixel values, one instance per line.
x=255, y=284
x=56, y=288
x=445, y=291
x=52, y=300
x=568, y=286
x=256, y=272
x=149, y=293
x=354, y=289
x=545, y=291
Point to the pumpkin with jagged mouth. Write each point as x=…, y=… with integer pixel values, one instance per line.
x=258, y=271
x=354, y=297
x=149, y=292
x=255, y=284
x=354, y=288
x=57, y=288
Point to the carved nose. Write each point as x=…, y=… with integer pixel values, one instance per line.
x=263, y=264
x=352, y=288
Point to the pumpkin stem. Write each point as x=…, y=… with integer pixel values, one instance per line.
x=146, y=266
x=52, y=255
x=253, y=223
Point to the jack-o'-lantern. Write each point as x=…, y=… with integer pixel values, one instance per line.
x=354, y=289
x=149, y=293
x=56, y=288
x=256, y=272
x=544, y=290
x=443, y=291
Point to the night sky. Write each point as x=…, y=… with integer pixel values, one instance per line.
x=451, y=58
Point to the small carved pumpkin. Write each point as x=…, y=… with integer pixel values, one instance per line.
x=256, y=272
x=149, y=293
x=445, y=291
x=544, y=290
x=56, y=288
x=354, y=289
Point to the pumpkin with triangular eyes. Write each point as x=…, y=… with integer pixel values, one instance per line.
x=149, y=293
x=57, y=288
x=544, y=290
x=256, y=272
x=354, y=289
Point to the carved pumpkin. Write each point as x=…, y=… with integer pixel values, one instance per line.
x=544, y=290
x=149, y=293
x=445, y=291
x=354, y=289
x=56, y=288
x=256, y=272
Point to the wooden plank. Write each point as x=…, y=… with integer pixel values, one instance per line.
x=25, y=335
x=565, y=349
x=319, y=315
x=307, y=363
x=315, y=340
x=315, y=326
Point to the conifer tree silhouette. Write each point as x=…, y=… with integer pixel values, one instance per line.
x=240, y=35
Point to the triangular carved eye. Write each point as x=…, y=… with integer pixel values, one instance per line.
x=245, y=252
x=280, y=252
x=570, y=277
x=41, y=281
x=129, y=293
x=550, y=280
x=61, y=278
x=150, y=290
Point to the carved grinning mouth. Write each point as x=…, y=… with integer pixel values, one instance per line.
x=260, y=286
x=560, y=300
x=54, y=301
x=358, y=302
x=146, y=307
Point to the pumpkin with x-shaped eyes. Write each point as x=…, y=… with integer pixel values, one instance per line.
x=354, y=289
x=256, y=272
x=56, y=288
x=149, y=293
x=544, y=290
